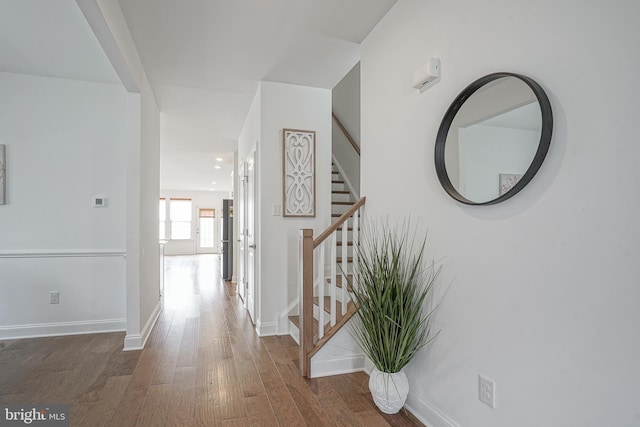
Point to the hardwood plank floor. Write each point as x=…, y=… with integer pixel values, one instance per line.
x=203, y=365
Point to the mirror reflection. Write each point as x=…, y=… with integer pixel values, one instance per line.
x=493, y=139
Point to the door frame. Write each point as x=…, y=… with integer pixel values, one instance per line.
x=242, y=228
x=252, y=233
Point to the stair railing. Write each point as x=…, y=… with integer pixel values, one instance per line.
x=313, y=253
x=346, y=133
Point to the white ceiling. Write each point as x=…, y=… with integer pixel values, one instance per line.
x=204, y=59
x=51, y=39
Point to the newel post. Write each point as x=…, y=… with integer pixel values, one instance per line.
x=306, y=300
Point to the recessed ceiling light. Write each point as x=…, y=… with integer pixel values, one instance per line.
x=213, y=182
x=213, y=189
x=219, y=159
x=217, y=166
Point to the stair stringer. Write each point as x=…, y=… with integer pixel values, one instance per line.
x=341, y=354
x=343, y=175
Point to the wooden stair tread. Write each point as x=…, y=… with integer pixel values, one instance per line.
x=340, y=191
x=296, y=321
x=327, y=304
x=339, y=259
x=335, y=181
x=349, y=203
x=329, y=330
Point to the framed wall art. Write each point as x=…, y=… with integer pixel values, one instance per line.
x=507, y=181
x=299, y=173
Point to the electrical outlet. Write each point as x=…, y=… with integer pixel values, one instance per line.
x=54, y=297
x=487, y=391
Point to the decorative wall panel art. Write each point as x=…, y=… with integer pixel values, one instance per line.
x=3, y=173
x=299, y=173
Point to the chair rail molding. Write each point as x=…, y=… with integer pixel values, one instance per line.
x=63, y=253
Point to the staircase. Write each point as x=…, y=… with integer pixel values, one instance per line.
x=326, y=262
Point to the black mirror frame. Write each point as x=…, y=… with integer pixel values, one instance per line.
x=543, y=145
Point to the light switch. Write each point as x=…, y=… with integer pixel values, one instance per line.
x=275, y=209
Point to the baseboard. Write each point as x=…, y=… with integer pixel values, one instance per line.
x=427, y=414
x=283, y=318
x=137, y=341
x=266, y=329
x=62, y=328
x=343, y=365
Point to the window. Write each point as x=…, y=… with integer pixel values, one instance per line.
x=180, y=215
x=163, y=219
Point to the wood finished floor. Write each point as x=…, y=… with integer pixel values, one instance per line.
x=203, y=365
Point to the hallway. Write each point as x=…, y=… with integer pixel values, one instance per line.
x=203, y=365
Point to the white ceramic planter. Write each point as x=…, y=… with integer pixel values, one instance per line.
x=389, y=391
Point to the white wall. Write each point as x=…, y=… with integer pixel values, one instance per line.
x=277, y=106
x=143, y=168
x=542, y=289
x=293, y=107
x=199, y=199
x=65, y=144
x=346, y=105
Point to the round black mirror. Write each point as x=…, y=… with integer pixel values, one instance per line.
x=493, y=139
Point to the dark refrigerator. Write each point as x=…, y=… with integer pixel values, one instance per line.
x=227, y=239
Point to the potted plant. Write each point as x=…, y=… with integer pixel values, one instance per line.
x=390, y=288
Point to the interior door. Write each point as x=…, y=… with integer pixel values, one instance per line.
x=251, y=174
x=206, y=231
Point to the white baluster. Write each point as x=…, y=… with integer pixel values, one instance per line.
x=332, y=291
x=356, y=239
x=321, y=279
x=345, y=271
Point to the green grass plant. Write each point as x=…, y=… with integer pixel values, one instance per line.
x=391, y=287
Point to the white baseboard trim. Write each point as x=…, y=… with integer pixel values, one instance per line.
x=343, y=365
x=426, y=413
x=283, y=318
x=62, y=328
x=266, y=329
x=137, y=341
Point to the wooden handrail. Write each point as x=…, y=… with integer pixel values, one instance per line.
x=343, y=218
x=346, y=133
